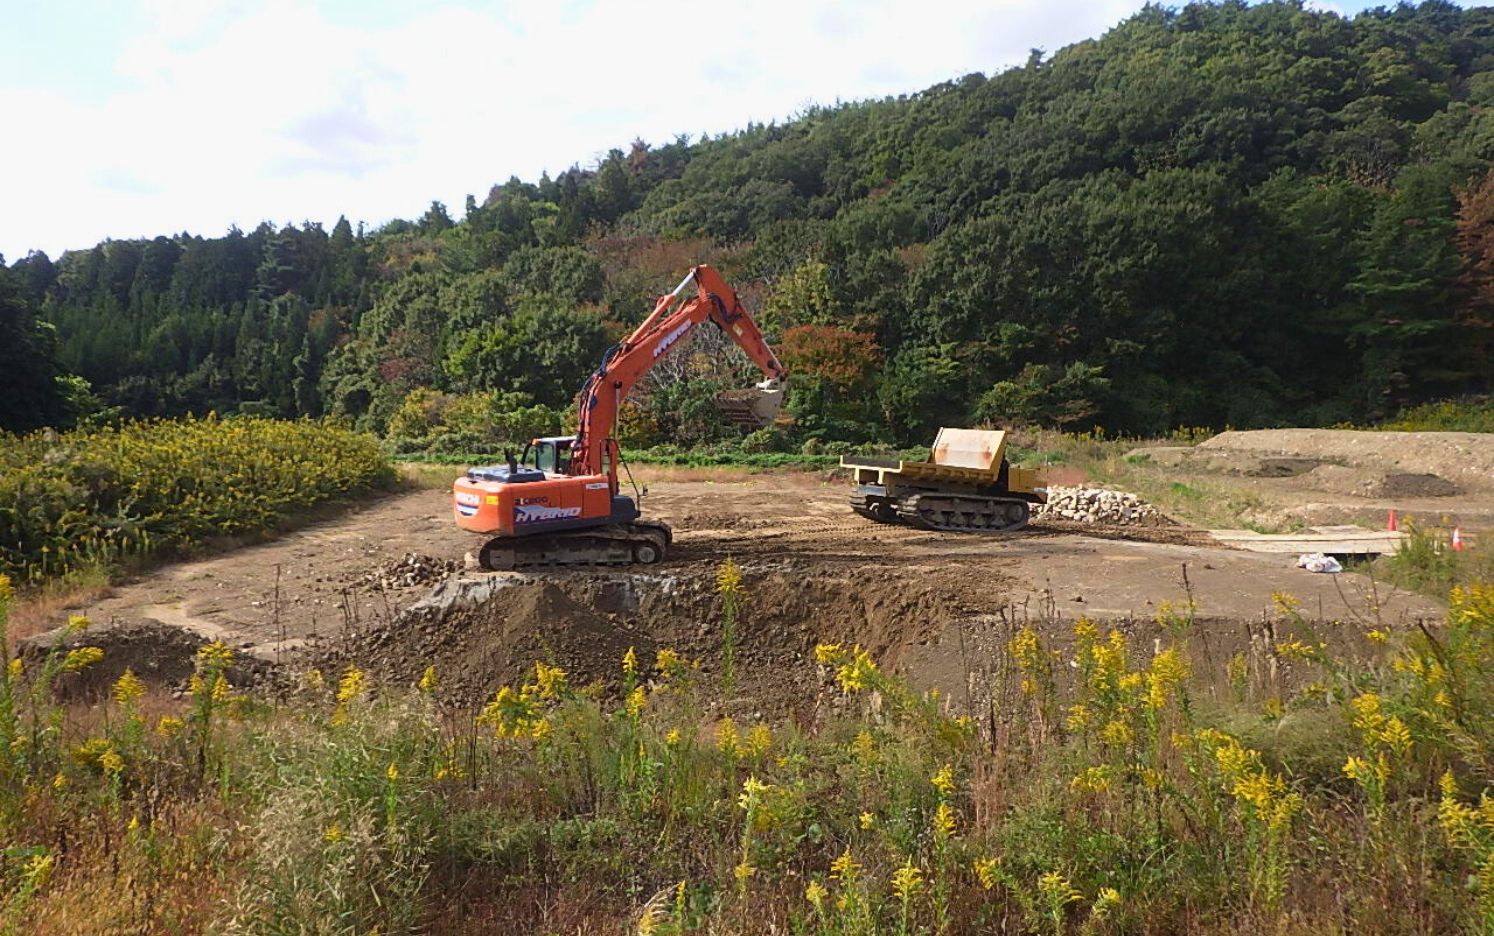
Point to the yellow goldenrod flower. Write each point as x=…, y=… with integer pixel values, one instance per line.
x=7, y=591
x=1057, y=890
x=111, y=762
x=759, y=740
x=1027, y=651
x=1105, y=901
x=540, y=728
x=1285, y=603
x=726, y=737
x=985, y=872
x=868, y=820
x=1078, y=717
x=38, y=871
x=668, y=663
x=221, y=689
x=944, y=821
x=215, y=655
x=76, y=623
x=350, y=686
x=827, y=654
x=859, y=671
x=907, y=880
x=742, y=872
x=59, y=781
x=332, y=834
x=1117, y=732
x=752, y=795
x=1395, y=735
x=815, y=893
x=943, y=781
x=393, y=772
x=635, y=702
x=630, y=663
x=551, y=680
x=128, y=688
x=844, y=868
x=81, y=658
x=729, y=578
x=1092, y=780
x=672, y=739
x=169, y=726
x=865, y=748
x=1295, y=649
x=15, y=669
x=429, y=681
x=1166, y=674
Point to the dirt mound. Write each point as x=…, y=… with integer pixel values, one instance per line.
x=481, y=633
x=160, y=654
x=484, y=631
x=1416, y=485
x=1360, y=482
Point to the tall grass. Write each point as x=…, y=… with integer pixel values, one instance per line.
x=1113, y=784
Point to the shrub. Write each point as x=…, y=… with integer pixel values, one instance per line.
x=90, y=496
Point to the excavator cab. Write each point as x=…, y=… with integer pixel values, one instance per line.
x=551, y=454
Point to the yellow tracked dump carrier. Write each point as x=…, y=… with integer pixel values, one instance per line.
x=967, y=486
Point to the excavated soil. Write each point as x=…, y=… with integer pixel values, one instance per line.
x=481, y=632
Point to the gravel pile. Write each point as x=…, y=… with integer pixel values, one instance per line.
x=414, y=569
x=1097, y=505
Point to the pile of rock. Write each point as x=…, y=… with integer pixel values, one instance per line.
x=1096, y=505
x=411, y=571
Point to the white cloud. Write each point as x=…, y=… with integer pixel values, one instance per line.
x=231, y=113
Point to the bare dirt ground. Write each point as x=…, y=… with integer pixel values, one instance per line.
x=1328, y=476
x=937, y=606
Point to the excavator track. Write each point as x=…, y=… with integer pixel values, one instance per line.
x=641, y=542
x=964, y=513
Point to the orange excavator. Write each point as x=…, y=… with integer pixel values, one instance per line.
x=560, y=502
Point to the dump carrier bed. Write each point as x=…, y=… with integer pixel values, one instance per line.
x=966, y=485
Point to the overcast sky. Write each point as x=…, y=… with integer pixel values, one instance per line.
x=130, y=118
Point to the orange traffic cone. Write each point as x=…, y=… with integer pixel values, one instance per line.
x=1457, y=540
x=1390, y=522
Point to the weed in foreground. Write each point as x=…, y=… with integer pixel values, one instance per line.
x=1130, y=806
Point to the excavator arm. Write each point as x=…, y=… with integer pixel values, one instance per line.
x=626, y=363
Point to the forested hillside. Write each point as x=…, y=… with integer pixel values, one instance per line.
x=1213, y=215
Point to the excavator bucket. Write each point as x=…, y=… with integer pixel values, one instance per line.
x=752, y=409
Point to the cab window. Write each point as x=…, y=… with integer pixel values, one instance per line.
x=552, y=457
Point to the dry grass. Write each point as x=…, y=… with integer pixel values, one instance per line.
x=44, y=608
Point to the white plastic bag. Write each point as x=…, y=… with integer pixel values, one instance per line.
x=1317, y=562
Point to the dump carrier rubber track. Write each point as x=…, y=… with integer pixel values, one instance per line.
x=951, y=512
x=641, y=541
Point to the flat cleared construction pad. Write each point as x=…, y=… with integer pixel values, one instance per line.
x=923, y=601
x=1329, y=540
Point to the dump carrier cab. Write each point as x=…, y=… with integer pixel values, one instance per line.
x=966, y=486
